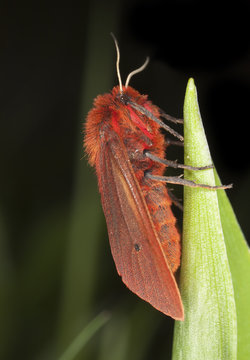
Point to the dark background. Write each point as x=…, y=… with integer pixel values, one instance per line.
x=56, y=269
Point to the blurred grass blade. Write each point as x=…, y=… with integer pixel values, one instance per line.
x=210, y=328
x=129, y=334
x=85, y=335
x=239, y=262
x=115, y=337
x=82, y=267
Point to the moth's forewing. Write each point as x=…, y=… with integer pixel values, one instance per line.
x=135, y=247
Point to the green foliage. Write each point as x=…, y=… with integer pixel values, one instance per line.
x=209, y=330
x=239, y=262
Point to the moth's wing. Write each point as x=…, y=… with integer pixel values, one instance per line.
x=135, y=246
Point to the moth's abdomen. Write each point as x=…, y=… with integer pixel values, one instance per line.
x=159, y=205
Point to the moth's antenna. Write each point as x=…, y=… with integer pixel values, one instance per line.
x=117, y=61
x=141, y=68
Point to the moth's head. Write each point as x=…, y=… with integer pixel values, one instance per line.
x=127, y=95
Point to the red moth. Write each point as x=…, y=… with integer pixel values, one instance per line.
x=124, y=142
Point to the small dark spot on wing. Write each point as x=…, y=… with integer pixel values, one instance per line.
x=137, y=247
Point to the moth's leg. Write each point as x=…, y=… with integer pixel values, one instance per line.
x=174, y=164
x=170, y=118
x=173, y=142
x=179, y=181
x=175, y=200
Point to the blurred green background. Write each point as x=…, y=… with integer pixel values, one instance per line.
x=56, y=270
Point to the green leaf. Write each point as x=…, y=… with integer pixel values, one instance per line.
x=239, y=261
x=209, y=330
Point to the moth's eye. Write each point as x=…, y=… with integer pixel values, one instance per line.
x=124, y=98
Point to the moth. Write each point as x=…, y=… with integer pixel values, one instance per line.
x=125, y=144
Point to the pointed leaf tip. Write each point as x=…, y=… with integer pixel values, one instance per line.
x=191, y=84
